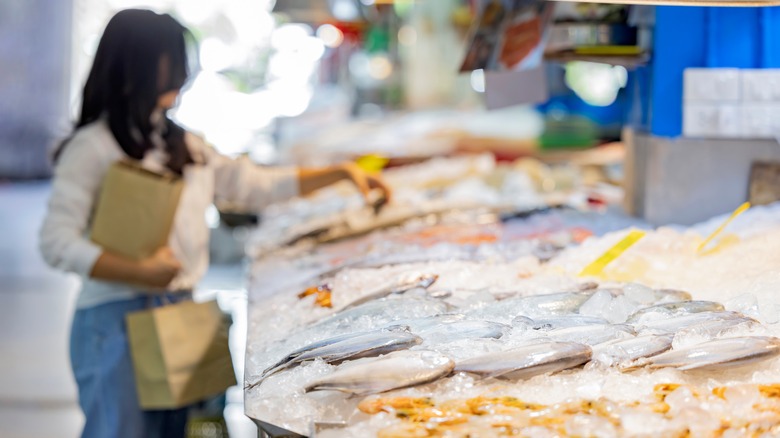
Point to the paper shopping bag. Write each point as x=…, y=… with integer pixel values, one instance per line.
x=180, y=354
x=135, y=210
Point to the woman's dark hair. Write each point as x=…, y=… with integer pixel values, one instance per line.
x=141, y=56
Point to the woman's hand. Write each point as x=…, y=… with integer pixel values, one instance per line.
x=310, y=180
x=155, y=272
x=160, y=269
x=365, y=182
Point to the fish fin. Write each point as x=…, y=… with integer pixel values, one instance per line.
x=255, y=384
x=326, y=387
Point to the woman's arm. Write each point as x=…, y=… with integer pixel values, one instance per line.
x=243, y=185
x=310, y=179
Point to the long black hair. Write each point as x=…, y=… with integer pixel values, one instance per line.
x=141, y=56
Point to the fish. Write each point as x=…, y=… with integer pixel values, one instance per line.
x=345, y=347
x=421, y=282
x=648, y=297
x=417, y=325
x=677, y=308
x=560, y=303
x=675, y=324
x=622, y=352
x=565, y=321
x=401, y=369
x=383, y=311
x=719, y=354
x=527, y=361
x=592, y=334
x=716, y=327
x=319, y=344
x=457, y=330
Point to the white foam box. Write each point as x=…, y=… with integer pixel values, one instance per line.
x=760, y=120
x=761, y=85
x=712, y=85
x=708, y=120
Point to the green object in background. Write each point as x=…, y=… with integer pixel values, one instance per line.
x=377, y=40
x=568, y=133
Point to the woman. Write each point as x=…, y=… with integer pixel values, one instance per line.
x=139, y=68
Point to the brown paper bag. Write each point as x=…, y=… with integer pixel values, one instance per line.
x=135, y=210
x=180, y=354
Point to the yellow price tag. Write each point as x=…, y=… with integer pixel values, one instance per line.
x=372, y=163
x=608, y=257
x=741, y=209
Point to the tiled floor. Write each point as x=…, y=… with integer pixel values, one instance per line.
x=37, y=392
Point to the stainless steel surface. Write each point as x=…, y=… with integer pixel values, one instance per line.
x=718, y=169
x=267, y=430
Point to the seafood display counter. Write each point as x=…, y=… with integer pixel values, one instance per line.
x=472, y=322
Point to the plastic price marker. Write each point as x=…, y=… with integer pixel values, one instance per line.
x=741, y=209
x=608, y=257
x=372, y=163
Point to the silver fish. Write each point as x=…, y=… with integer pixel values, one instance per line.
x=417, y=325
x=343, y=348
x=534, y=306
x=527, y=361
x=566, y=321
x=397, y=370
x=621, y=352
x=319, y=344
x=675, y=324
x=720, y=353
x=716, y=327
x=678, y=308
x=423, y=282
x=464, y=330
x=647, y=296
x=592, y=334
x=382, y=312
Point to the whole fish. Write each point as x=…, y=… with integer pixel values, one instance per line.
x=566, y=321
x=678, y=308
x=401, y=369
x=719, y=353
x=716, y=327
x=456, y=330
x=321, y=343
x=535, y=306
x=417, y=325
x=646, y=296
x=622, y=352
x=677, y=323
x=343, y=348
x=527, y=361
x=382, y=311
x=592, y=334
x=421, y=282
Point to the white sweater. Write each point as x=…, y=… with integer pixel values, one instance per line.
x=79, y=174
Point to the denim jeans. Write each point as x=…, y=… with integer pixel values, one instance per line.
x=103, y=368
